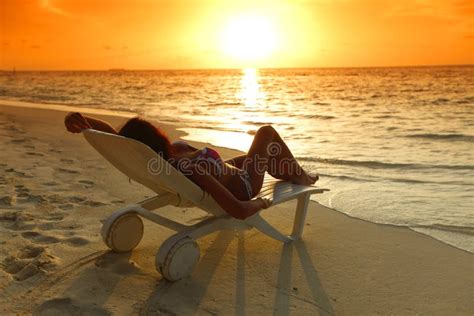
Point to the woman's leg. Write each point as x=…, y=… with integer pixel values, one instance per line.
x=269, y=152
x=237, y=161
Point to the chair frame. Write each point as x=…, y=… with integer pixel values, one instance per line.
x=168, y=193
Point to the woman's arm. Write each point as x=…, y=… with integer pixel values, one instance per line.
x=75, y=122
x=100, y=125
x=225, y=198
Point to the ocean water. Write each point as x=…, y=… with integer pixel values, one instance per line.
x=394, y=145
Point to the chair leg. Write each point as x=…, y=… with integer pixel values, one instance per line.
x=263, y=226
x=158, y=201
x=300, y=216
x=206, y=227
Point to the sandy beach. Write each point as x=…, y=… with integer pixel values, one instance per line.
x=55, y=189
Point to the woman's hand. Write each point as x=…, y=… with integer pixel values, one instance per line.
x=223, y=197
x=75, y=122
x=253, y=206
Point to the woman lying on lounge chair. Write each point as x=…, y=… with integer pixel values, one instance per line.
x=232, y=183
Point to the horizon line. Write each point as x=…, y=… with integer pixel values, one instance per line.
x=14, y=69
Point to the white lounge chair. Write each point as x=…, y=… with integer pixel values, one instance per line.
x=177, y=256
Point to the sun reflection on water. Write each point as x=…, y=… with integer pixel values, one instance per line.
x=250, y=93
x=237, y=124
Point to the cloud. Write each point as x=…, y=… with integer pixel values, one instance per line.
x=35, y=47
x=107, y=47
x=49, y=6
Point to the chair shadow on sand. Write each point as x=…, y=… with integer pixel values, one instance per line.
x=193, y=292
x=320, y=298
x=86, y=277
x=202, y=276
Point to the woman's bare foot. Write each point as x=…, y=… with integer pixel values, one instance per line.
x=314, y=177
x=306, y=179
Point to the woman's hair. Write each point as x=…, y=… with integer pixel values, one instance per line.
x=145, y=132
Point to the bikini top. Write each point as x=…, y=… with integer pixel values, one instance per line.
x=209, y=155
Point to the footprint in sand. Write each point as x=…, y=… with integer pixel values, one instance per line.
x=57, y=199
x=53, y=216
x=76, y=199
x=67, y=306
x=70, y=171
x=93, y=203
x=66, y=227
x=30, y=252
x=18, y=173
x=31, y=198
x=7, y=200
x=76, y=241
x=21, y=191
x=17, y=220
x=66, y=206
x=118, y=263
x=50, y=183
x=32, y=153
x=84, y=201
x=24, y=196
x=39, y=238
x=15, y=129
x=87, y=183
x=27, y=262
x=18, y=140
x=68, y=161
x=22, y=221
x=55, y=151
x=47, y=226
x=13, y=216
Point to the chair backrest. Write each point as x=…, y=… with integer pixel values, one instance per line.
x=143, y=165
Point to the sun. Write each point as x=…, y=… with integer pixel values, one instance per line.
x=249, y=38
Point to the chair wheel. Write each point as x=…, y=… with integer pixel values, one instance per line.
x=179, y=261
x=124, y=233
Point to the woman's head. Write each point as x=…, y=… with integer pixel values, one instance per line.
x=145, y=132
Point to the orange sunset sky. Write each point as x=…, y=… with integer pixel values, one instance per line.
x=156, y=34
